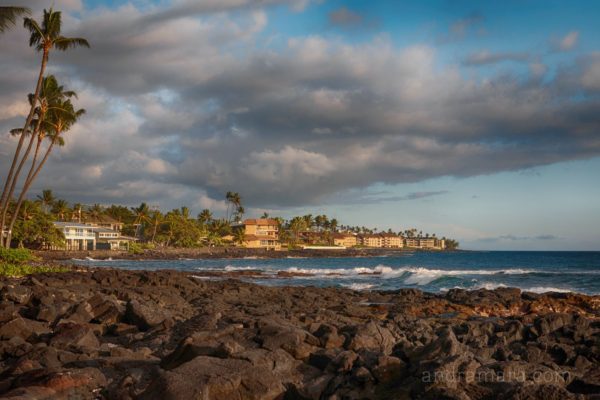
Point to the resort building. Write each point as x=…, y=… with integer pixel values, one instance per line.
x=431, y=243
x=391, y=240
x=371, y=240
x=412, y=242
x=261, y=233
x=77, y=236
x=344, y=239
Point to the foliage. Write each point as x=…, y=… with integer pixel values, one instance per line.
x=15, y=270
x=15, y=256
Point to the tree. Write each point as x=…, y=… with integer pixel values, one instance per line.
x=61, y=117
x=95, y=212
x=61, y=209
x=46, y=198
x=51, y=94
x=205, y=217
x=155, y=220
x=45, y=37
x=9, y=15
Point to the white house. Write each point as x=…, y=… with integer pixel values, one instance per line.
x=77, y=236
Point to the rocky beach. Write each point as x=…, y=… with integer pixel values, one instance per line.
x=115, y=334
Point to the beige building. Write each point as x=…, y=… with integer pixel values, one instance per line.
x=391, y=240
x=371, y=240
x=261, y=233
x=344, y=239
x=425, y=243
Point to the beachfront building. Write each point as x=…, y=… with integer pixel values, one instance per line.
x=371, y=240
x=344, y=239
x=261, y=233
x=109, y=239
x=430, y=243
x=77, y=236
x=390, y=240
x=104, y=221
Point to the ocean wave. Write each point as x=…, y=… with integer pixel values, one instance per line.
x=359, y=286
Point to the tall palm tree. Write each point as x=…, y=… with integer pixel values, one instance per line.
x=46, y=198
x=49, y=99
x=9, y=15
x=156, y=219
x=45, y=37
x=60, y=119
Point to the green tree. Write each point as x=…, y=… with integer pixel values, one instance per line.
x=61, y=209
x=44, y=37
x=46, y=199
x=61, y=117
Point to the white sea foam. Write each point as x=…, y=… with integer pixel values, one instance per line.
x=544, y=289
x=359, y=286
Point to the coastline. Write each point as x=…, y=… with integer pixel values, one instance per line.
x=222, y=253
x=115, y=334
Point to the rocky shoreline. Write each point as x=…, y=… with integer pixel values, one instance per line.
x=115, y=334
x=218, y=252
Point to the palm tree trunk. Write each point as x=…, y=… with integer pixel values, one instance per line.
x=33, y=173
x=5, y=199
x=18, y=171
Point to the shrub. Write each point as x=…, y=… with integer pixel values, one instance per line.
x=135, y=248
x=14, y=270
x=15, y=256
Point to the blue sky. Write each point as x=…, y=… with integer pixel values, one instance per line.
x=474, y=120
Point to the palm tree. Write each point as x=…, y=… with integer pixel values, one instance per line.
x=46, y=198
x=142, y=215
x=61, y=208
x=61, y=117
x=205, y=217
x=156, y=219
x=51, y=93
x=95, y=212
x=8, y=16
x=44, y=37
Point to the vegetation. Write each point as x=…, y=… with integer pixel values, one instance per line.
x=9, y=15
x=51, y=112
x=14, y=262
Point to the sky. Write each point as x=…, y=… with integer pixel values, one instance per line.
x=474, y=120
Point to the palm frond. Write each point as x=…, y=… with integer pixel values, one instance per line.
x=36, y=33
x=63, y=43
x=9, y=15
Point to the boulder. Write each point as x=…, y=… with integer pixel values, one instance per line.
x=372, y=336
x=24, y=328
x=74, y=336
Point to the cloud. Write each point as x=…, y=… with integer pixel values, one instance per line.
x=486, y=57
x=184, y=108
x=567, y=42
x=383, y=197
x=460, y=28
x=345, y=17
x=515, y=238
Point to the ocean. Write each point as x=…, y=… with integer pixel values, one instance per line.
x=535, y=271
